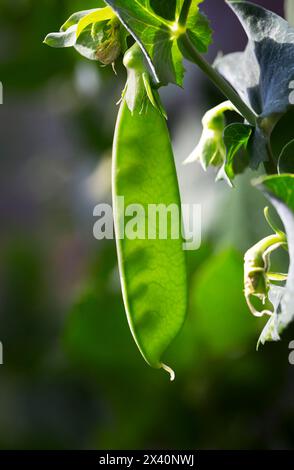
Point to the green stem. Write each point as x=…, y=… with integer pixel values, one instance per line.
x=217, y=79
x=184, y=12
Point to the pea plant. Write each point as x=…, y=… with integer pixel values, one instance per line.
x=154, y=37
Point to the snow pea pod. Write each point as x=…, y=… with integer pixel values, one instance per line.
x=152, y=269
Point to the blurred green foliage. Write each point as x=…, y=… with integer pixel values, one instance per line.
x=25, y=61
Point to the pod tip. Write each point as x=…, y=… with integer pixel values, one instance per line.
x=170, y=371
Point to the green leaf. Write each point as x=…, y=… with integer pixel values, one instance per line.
x=87, y=44
x=153, y=33
x=96, y=34
x=75, y=18
x=198, y=28
x=265, y=69
x=96, y=16
x=168, y=9
x=262, y=73
x=236, y=136
x=67, y=36
x=62, y=39
x=157, y=36
x=279, y=189
x=286, y=159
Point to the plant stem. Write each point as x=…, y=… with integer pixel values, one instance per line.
x=184, y=12
x=217, y=79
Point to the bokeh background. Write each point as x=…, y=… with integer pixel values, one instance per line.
x=72, y=376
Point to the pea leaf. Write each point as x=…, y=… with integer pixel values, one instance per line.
x=168, y=9
x=262, y=73
x=63, y=38
x=198, y=28
x=157, y=36
x=67, y=36
x=236, y=136
x=96, y=34
x=279, y=189
x=75, y=18
x=96, y=16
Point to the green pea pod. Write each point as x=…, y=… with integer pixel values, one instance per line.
x=152, y=269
